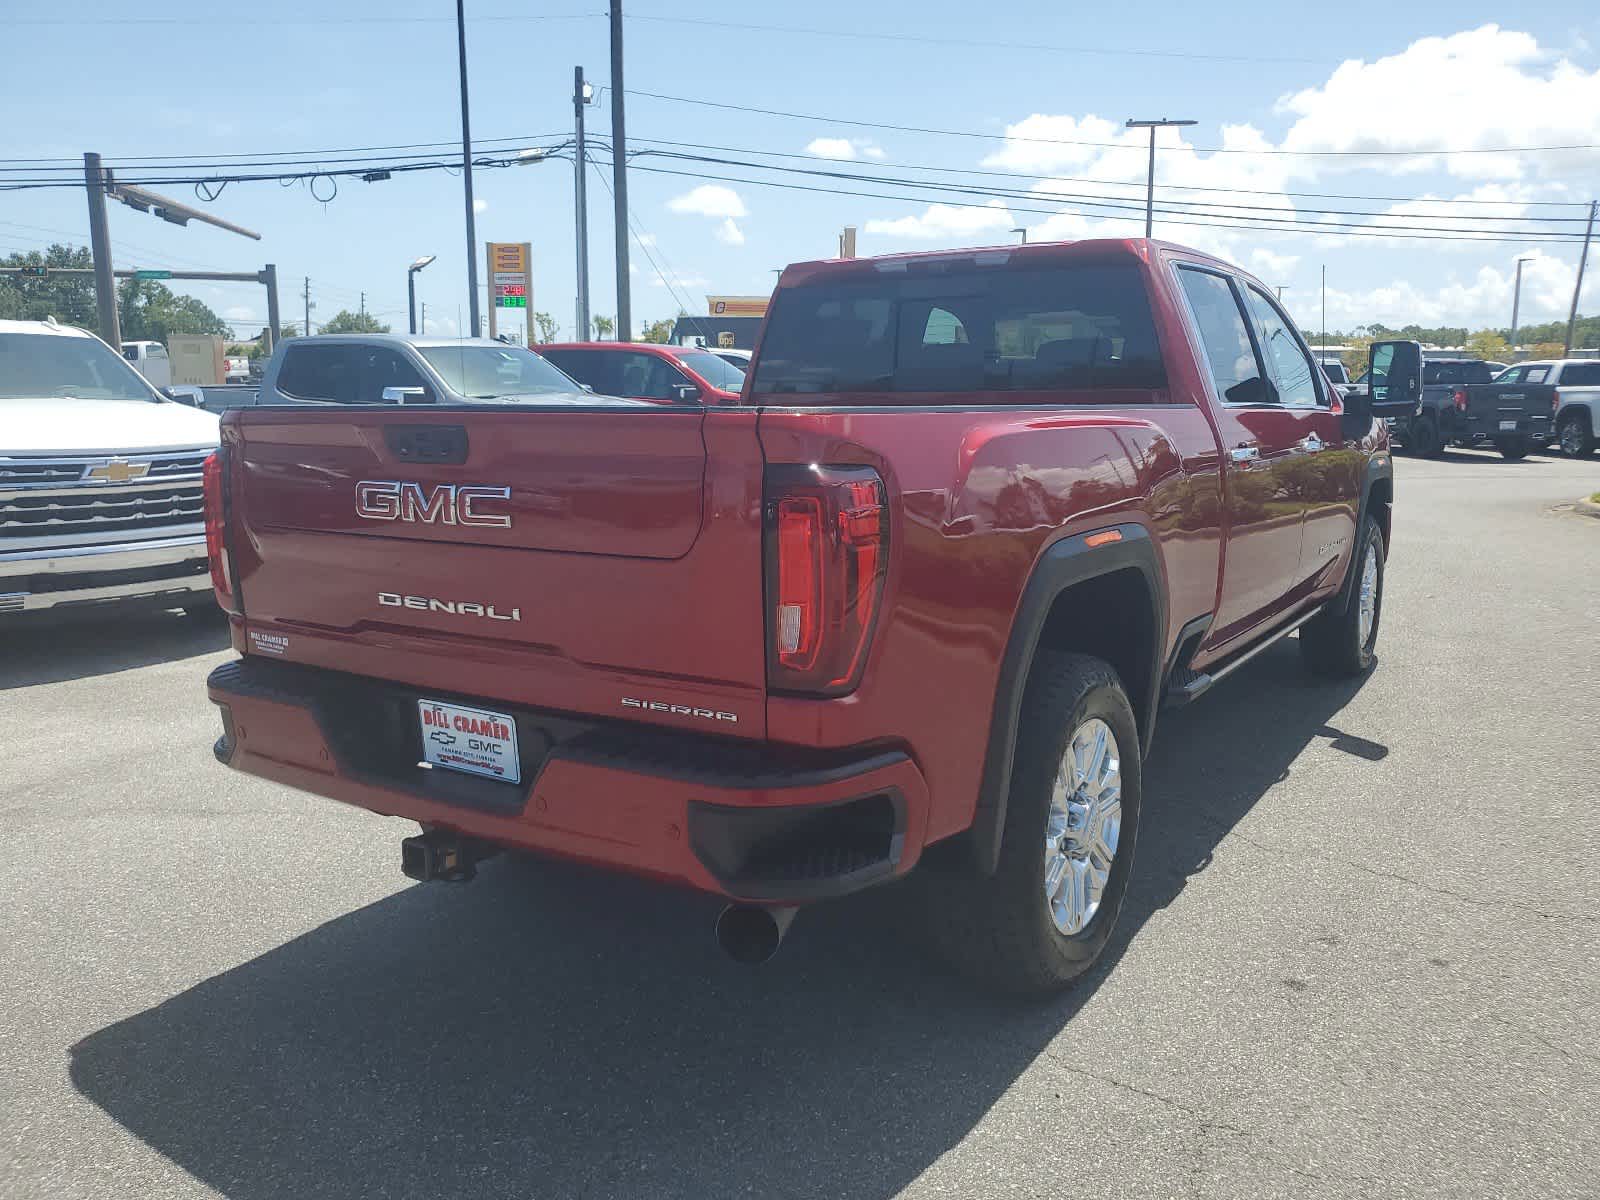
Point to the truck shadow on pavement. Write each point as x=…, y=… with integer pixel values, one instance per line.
x=35, y=651
x=548, y=1031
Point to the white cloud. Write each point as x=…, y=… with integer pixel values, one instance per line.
x=946, y=221
x=1479, y=89
x=1479, y=301
x=647, y=239
x=680, y=281
x=479, y=206
x=709, y=200
x=1266, y=262
x=729, y=233
x=826, y=147
x=844, y=148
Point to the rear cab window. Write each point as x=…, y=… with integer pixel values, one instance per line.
x=1585, y=374
x=944, y=329
x=328, y=373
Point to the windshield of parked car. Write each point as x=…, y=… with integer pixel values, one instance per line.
x=962, y=325
x=33, y=365
x=495, y=372
x=713, y=370
x=1336, y=372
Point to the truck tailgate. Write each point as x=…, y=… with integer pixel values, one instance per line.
x=558, y=557
x=1508, y=407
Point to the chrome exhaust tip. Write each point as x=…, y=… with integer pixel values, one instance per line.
x=750, y=933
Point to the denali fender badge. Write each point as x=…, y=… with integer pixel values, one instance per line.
x=680, y=710
x=445, y=504
x=456, y=608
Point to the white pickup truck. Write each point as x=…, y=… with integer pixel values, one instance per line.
x=100, y=479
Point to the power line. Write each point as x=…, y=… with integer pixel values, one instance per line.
x=644, y=248
x=245, y=19
x=1008, y=137
x=1180, y=218
x=931, y=40
x=1138, y=187
x=1113, y=201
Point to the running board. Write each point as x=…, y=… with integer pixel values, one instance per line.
x=1197, y=684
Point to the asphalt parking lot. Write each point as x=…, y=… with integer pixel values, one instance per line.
x=1361, y=956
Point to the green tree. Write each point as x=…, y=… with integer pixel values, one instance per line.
x=604, y=327
x=345, y=321
x=548, y=329
x=658, y=331
x=67, y=298
x=150, y=311
x=1486, y=343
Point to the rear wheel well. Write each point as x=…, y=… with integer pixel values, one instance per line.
x=1380, y=503
x=1111, y=617
x=1577, y=413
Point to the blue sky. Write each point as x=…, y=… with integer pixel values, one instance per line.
x=166, y=78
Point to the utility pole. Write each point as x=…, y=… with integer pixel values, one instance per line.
x=466, y=171
x=619, y=177
x=1150, y=179
x=1583, y=261
x=580, y=199
x=105, y=283
x=1322, y=343
x=363, y=311
x=307, y=329
x=1516, y=301
x=1281, y=286
x=269, y=277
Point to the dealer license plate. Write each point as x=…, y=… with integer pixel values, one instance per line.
x=473, y=740
x=1508, y=426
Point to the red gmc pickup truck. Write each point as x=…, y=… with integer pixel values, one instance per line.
x=916, y=599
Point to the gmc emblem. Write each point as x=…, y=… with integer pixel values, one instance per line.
x=443, y=504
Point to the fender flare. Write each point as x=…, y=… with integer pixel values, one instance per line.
x=1064, y=564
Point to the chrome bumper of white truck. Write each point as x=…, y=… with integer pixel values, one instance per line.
x=173, y=568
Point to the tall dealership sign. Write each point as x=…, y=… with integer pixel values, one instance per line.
x=511, y=291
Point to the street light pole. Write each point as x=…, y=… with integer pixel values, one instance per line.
x=411, y=288
x=580, y=197
x=1516, y=301
x=466, y=171
x=1150, y=178
x=1023, y=230
x=619, y=178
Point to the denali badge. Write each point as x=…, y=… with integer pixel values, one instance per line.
x=444, y=504
x=680, y=710
x=456, y=608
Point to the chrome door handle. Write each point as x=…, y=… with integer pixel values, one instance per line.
x=1245, y=454
x=1311, y=443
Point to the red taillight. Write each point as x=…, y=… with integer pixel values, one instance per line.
x=826, y=563
x=216, y=517
x=1459, y=399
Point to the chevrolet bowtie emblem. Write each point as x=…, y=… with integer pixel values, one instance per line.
x=118, y=470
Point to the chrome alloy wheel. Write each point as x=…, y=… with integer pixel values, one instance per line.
x=1572, y=439
x=1085, y=823
x=1369, y=593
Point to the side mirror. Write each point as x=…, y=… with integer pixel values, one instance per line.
x=686, y=393
x=1395, y=371
x=405, y=395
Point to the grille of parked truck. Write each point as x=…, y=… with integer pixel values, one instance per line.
x=100, y=478
x=909, y=604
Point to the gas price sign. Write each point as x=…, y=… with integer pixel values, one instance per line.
x=510, y=287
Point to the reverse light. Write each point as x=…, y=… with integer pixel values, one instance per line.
x=826, y=541
x=213, y=479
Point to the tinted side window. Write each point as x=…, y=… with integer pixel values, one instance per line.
x=1581, y=374
x=1514, y=375
x=597, y=368
x=329, y=373
x=1229, y=354
x=383, y=368
x=1287, y=363
x=648, y=377
x=962, y=325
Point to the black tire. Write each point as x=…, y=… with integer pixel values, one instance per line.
x=1331, y=642
x=1576, y=438
x=1426, y=442
x=997, y=929
x=1512, y=448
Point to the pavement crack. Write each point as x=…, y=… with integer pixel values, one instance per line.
x=1205, y=1120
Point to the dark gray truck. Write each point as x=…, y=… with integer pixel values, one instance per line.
x=1460, y=400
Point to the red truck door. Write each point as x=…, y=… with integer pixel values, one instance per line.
x=1263, y=441
x=1323, y=475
